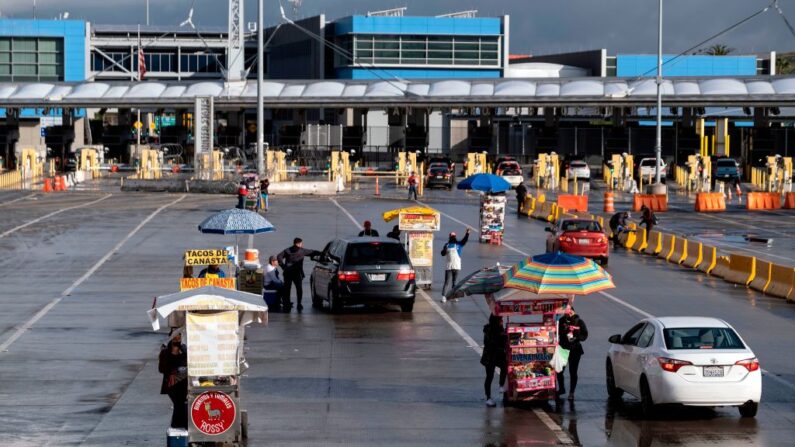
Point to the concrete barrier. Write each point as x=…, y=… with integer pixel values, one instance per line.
x=694, y=255
x=571, y=202
x=710, y=202
x=742, y=269
x=653, y=243
x=721, y=267
x=656, y=202
x=782, y=282
x=302, y=188
x=762, y=274
x=640, y=240
x=679, y=253
x=709, y=259
x=666, y=246
x=763, y=201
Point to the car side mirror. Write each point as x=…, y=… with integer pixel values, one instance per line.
x=316, y=258
x=548, y=229
x=615, y=339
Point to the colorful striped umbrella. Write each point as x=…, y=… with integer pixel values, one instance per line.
x=558, y=273
x=481, y=282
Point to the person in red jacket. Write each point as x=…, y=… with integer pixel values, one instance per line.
x=413, y=182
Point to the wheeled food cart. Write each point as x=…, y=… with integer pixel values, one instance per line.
x=252, y=202
x=531, y=329
x=492, y=217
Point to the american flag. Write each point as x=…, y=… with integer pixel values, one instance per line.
x=141, y=62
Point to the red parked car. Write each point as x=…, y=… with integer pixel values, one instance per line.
x=580, y=237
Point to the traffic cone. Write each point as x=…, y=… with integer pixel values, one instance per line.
x=58, y=184
x=64, y=183
x=47, y=185
x=729, y=192
x=377, y=187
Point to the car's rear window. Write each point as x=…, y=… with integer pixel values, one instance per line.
x=581, y=225
x=702, y=338
x=439, y=171
x=372, y=253
x=578, y=164
x=727, y=163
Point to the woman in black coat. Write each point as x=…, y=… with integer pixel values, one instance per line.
x=494, y=356
x=572, y=333
x=173, y=363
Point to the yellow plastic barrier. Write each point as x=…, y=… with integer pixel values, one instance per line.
x=653, y=243
x=721, y=267
x=709, y=259
x=679, y=253
x=623, y=237
x=666, y=246
x=640, y=240
x=761, y=275
x=529, y=205
x=782, y=282
x=694, y=254
x=630, y=238
x=742, y=269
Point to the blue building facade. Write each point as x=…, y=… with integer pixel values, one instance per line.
x=418, y=47
x=629, y=65
x=42, y=51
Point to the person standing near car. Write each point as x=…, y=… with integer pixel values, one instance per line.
x=292, y=261
x=617, y=224
x=571, y=333
x=452, y=251
x=395, y=233
x=494, y=356
x=521, y=196
x=368, y=230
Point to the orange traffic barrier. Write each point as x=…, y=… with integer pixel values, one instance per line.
x=571, y=202
x=377, y=187
x=710, y=201
x=640, y=240
x=742, y=269
x=666, y=246
x=789, y=200
x=653, y=243
x=693, y=254
x=679, y=253
x=761, y=275
x=656, y=202
x=763, y=201
x=721, y=267
x=782, y=282
x=609, y=203
x=59, y=186
x=47, y=185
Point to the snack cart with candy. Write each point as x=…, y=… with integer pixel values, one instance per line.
x=531, y=326
x=417, y=225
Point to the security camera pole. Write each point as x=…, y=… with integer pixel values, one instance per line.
x=658, y=187
x=260, y=76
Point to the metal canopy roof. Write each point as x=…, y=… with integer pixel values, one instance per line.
x=767, y=91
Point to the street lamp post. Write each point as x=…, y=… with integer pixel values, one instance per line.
x=260, y=76
x=658, y=187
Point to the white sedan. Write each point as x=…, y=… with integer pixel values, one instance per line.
x=579, y=169
x=694, y=361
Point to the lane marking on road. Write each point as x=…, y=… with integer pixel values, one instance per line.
x=40, y=314
x=17, y=199
x=620, y=301
x=62, y=210
x=556, y=429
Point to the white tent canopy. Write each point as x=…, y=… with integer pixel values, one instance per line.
x=170, y=309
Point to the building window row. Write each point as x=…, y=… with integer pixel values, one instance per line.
x=159, y=62
x=420, y=50
x=31, y=59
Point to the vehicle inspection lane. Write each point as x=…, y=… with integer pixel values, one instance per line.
x=51, y=214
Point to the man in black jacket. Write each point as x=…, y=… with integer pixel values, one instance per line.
x=292, y=262
x=521, y=195
x=572, y=332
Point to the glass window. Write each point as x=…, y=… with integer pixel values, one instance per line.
x=419, y=55
x=153, y=62
x=440, y=45
x=23, y=70
x=5, y=44
x=646, y=337
x=413, y=46
x=50, y=45
x=631, y=337
x=183, y=62
x=193, y=63
x=5, y=58
x=48, y=58
x=373, y=253
x=467, y=46
x=702, y=338
x=467, y=55
x=5, y=69
x=24, y=58
x=48, y=70
x=382, y=45
x=24, y=45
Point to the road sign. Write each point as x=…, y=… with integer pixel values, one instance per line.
x=152, y=125
x=138, y=125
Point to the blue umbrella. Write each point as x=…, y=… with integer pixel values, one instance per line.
x=485, y=182
x=236, y=221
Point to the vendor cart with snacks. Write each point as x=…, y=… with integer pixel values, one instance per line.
x=492, y=217
x=253, y=197
x=531, y=327
x=417, y=225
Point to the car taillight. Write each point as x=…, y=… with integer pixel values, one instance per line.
x=406, y=275
x=349, y=276
x=672, y=365
x=566, y=239
x=447, y=176
x=750, y=364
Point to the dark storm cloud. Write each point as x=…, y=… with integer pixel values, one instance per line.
x=537, y=26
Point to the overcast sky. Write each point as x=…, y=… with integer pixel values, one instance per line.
x=537, y=26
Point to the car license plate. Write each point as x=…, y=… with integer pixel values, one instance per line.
x=585, y=241
x=378, y=277
x=713, y=371
x=440, y=176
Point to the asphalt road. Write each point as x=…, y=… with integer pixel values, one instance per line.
x=79, y=363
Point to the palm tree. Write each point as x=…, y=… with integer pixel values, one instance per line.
x=784, y=65
x=718, y=50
